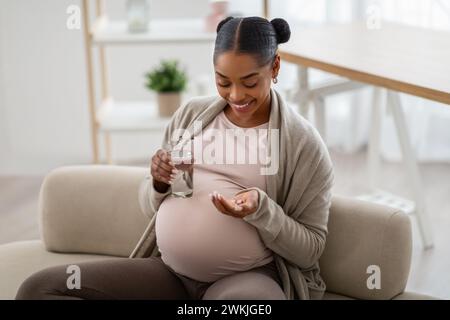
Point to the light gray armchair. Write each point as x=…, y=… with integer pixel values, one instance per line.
x=92, y=212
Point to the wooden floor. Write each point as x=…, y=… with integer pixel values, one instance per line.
x=430, y=270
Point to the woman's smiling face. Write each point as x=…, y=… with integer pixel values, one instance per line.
x=245, y=86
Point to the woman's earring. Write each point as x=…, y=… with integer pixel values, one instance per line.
x=275, y=80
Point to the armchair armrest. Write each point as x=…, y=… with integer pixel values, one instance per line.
x=363, y=236
x=92, y=209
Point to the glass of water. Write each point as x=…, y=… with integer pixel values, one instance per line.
x=183, y=183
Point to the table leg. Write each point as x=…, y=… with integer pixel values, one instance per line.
x=302, y=95
x=320, y=116
x=374, y=138
x=412, y=168
x=108, y=153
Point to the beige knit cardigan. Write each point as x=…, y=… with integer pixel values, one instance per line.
x=292, y=215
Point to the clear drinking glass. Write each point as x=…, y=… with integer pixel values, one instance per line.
x=183, y=183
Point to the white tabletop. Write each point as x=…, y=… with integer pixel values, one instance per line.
x=398, y=57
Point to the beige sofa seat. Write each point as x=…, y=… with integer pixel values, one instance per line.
x=20, y=259
x=92, y=212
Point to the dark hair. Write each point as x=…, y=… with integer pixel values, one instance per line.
x=253, y=35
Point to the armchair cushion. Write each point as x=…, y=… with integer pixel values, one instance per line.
x=92, y=209
x=362, y=234
x=19, y=260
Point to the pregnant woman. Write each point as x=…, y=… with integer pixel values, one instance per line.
x=256, y=223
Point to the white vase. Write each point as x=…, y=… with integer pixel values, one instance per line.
x=137, y=15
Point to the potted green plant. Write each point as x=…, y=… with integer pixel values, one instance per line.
x=168, y=80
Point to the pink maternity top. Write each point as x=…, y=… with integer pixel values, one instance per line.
x=194, y=238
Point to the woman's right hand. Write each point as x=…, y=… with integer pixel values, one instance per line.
x=162, y=170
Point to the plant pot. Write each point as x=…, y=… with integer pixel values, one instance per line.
x=168, y=103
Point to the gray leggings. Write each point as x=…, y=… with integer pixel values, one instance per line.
x=149, y=278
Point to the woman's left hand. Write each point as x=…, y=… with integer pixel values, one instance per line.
x=239, y=206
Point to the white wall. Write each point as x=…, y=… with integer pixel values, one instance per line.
x=4, y=140
x=42, y=89
x=44, y=119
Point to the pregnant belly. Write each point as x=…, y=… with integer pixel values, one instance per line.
x=198, y=241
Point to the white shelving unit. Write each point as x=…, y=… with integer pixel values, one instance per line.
x=105, y=32
x=110, y=116
x=129, y=116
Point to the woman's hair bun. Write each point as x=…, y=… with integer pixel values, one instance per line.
x=221, y=23
x=282, y=29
